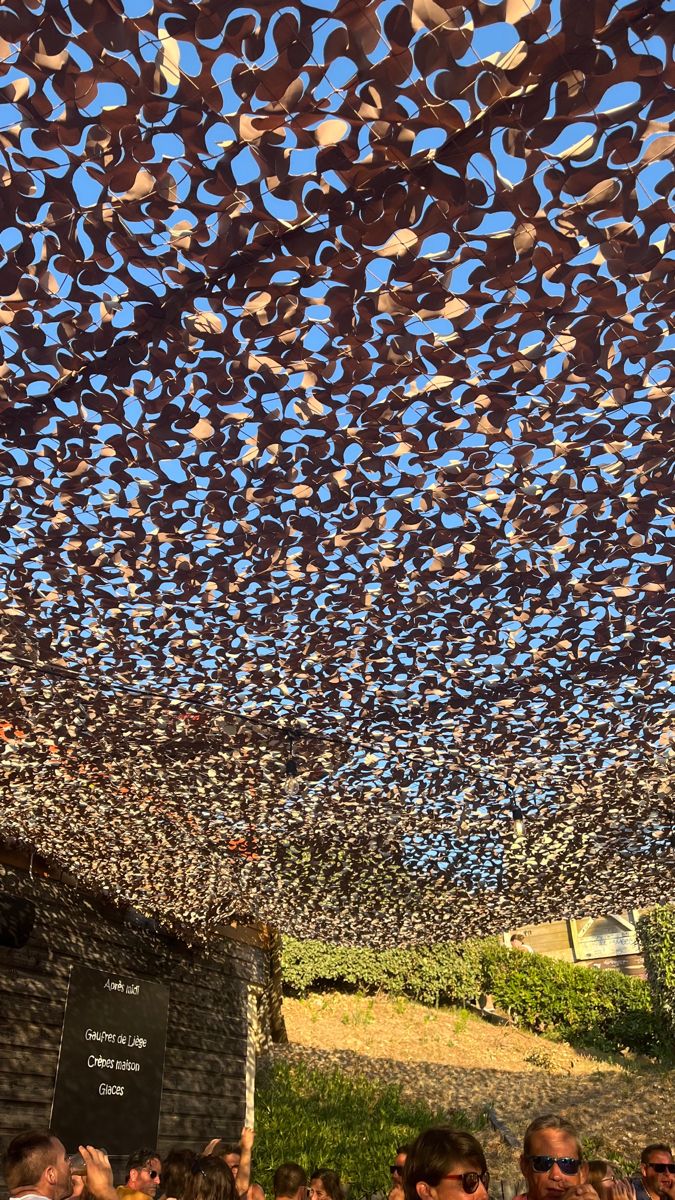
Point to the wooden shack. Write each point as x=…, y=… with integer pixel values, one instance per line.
x=218, y=1006
x=606, y=943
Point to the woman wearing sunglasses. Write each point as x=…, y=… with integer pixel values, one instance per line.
x=604, y=1179
x=445, y=1164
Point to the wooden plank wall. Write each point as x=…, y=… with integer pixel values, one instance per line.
x=551, y=938
x=205, y=1068
x=556, y=940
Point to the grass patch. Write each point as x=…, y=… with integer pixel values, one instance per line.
x=329, y=1119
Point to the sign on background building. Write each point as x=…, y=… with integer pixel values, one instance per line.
x=108, y=1087
x=607, y=941
x=612, y=936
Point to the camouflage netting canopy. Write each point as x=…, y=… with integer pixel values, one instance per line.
x=338, y=439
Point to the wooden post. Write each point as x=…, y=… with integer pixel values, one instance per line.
x=251, y=1054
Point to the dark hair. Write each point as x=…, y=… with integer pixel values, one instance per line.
x=27, y=1157
x=330, y=1180
x=176, y=1171
x=655, y=1148
x=434, y=1152
x=230, y=1148
x=597, y=1169
x=550, y=1121
x=405, y=1148
x=139, y=1159
x=210, y=1179
x=288, y=1178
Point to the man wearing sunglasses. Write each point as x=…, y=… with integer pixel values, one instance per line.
x=396, y=1168
x=445, y=1164
x=396, y=1171
x=143, y=1175
x=552, y=1161
x=656, y=1180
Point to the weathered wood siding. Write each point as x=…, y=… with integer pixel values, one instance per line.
x=204, y=1090
x=593, y=942
x=552, y=938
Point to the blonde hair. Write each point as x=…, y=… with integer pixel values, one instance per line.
x=551, y=1121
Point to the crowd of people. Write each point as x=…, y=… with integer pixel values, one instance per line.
x=441, y=1164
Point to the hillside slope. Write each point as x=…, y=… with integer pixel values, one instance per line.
x=452, y=1057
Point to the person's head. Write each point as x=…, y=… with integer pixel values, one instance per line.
x=290, y=1181
x=232, y=1156
x=325, y=1184
x=176, y=1171
x=445, y=1164
x=210, y=1179
x=144, y=1171
x=552, y=1159
x=396, y=1168
x=656, y=1163
x=37, y=1161
x=600, y=1176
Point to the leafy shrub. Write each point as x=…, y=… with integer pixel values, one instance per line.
x=543, y=1059
x=329, y=1119
x=604, y=1008
x=445, y=973
x=656, y=933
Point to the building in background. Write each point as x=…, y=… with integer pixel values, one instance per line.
x=608, y=943
x=219, y=1007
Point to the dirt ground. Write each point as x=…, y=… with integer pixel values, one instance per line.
x=454, y=1058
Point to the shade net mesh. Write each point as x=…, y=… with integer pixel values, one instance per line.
x=337, y=458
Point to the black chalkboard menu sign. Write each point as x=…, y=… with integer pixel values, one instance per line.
x=109, y=1079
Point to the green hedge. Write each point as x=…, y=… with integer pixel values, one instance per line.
x=605, y=1008
x=602, y=1008
x=326, y=1118
x=446, y=973
x=656, y=932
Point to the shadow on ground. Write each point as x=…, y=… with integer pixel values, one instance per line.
x=453, y=1062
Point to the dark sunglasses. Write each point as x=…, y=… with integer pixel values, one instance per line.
x=661, y=1168
x=471, y=1179
x=544, y=1162
x=152, y=1174
x=395, y=1170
